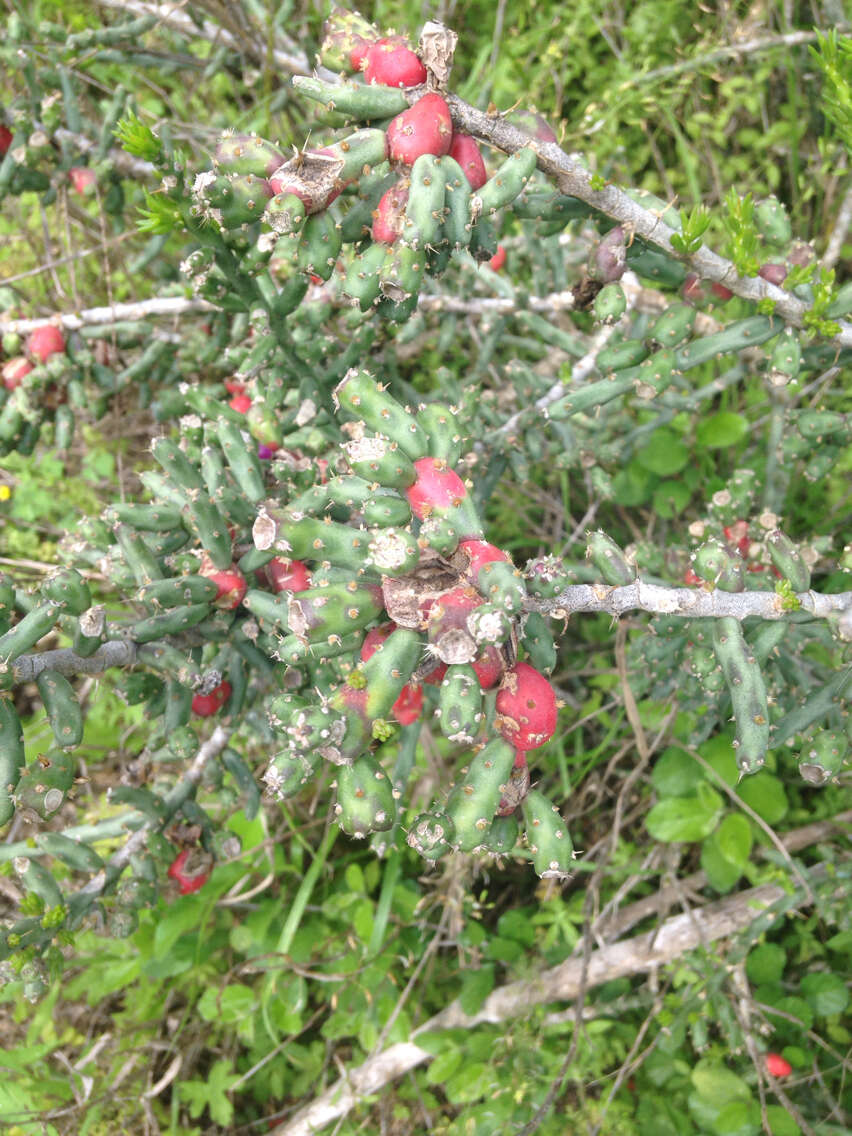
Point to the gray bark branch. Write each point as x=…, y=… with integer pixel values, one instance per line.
x=115, y=653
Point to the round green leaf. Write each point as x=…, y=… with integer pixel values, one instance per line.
x=675, y=773
x=718, y=1084
x=721, y=874
x=781, y=1122
x=721, y=430
x=671, y=498
x=765, y=794
x=733, y=839
x=826, y=994
x=738, y=1118
x=684, y=818
x=665, y=454
x=766, y=963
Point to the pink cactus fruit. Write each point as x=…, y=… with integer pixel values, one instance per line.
x=526, y=707
x=425, y=128
x=468, y=155
x=389, y=214
x=437, y=486
x=390, y=62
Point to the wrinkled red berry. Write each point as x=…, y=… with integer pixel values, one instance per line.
x=778, y=1066
x=230, y=582
x=235, y=386
x=240, y=403
x=389, y=214
x=14, y=371
x=5, y=139
x=773, y=273
x=437, y=486
x=498, y=259
x=187, y=884
x=287, y=575
x=204, y=705
x=83, y=179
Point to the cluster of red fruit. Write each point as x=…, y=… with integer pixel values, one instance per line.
x=41, y=344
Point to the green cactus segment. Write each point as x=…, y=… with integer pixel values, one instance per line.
x=365, y=801
x=674, y=325
x=352, y=492
x=748, y=694
x=702, y=664
x=68, y=588
x=738, y=335
x=76, y=855
x=90, y=631
x=357, y=99
x=12, y=756
x=547, y=837
x=442, y=429
x=502, y=836
x=424, y=211
x=338, y=735
x=178, y=707
x=363, y=277
x=629, y=353
x=7, y=603
x=388, y=670
x=610, y=303
x=333, y=610
x=540, y=205
x=289, y=771
x=178, y=591
x=234, y=200
x=457, y=193
x=38, y=880
x=547, y=577
x=507, y=183
x=171, y=622
x=401, y=274
x=43, y=784
x=293, y=650
x=176, y=464
x=393, y=552
x=460, y=704
x=386, y=508
x=285, y=213
x=432, y=835
x=772, y=223
x=379, y=460
x=269, y=609
x=145, y=518
x=817, y=424
x=822, y=756
x=27, y=632
x=358, y=154
x=171, y=662
x=211, y=528
x=309, y=538
x=364, y=398
x=244, y=780
x=473, y=802
x=320, y=245
x=247, y=154
x=242, y=460
x=538, y=642
x=609, y=560
x=489, y=624
x=716, y=563
x=143, y=564
x=787, y=559
x=786, y=358
x=61, y=706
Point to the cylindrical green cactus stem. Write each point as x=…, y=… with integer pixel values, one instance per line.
x=628, y=353
x=538, y=642
x=289, y=771
x=337, y=736
x=365, y=801
x=609, y=560
x=12, y=756
x=748, y=694
x=424, y=210
x=243, y=461
x=247, y=154
x=788, y=560
x=460, y=704
x=548, y=577
x=743, y=333
x=26, y=633
x=170, y=622
x=457, y=192
x=674, y=325
x=336, y=609
x=137, y=555
x=772, y=222
x=506, y=184
x=401, y=274
x=442, y=429
x=38, y=880
x=145, y=518
x=377, y=458
x=61, y=706
x=292, y=650
x=388, y=670
x=43, y=784
x=386, y=508
x=176, y=464
x=818, y=424
x=822, y=756
x=75, y=854
x=177, y=591
x=170, y=661
x=319, y=245
x=610, y=303
x=502, y=836
x=364, y=398
x=211, y=528
x=90, y=631
x=431, y=835
x=393, y=551
x=363, y=278
x=473, y=802
x=715, y=563
x=360, y=100
x=309, y=538
x=547, y=836
x=67, y=587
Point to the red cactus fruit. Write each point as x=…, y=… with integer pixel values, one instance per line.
x=44, y=342
x=691, y=579
x=489, y=666
x=409, y=705
x=83, y=179
x=720, y=291
x=186, y=883
x=286, y=575
x=436, y=677
x=204, y=705
x=773, y=273
x=240, y=403
x=391, y=63
x=526, y=707
x=425, y=128
x=358, y=53
x=14, y=371
x=737, y=536
x=498, y=259
x=5, y=139
x=693, y=290
x=235, y=386
x=468, y=155
x=389, y=214
x=437, y=486
x=230, y=582
x=778, y=1066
